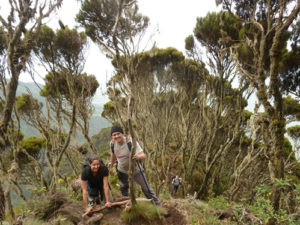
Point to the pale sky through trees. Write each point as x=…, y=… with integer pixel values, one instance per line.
x=174, y=20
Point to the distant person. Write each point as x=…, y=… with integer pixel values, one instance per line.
x=120, y=150
x=175, y=182
x=94, y=180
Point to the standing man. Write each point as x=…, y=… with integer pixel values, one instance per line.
x=175, y=181
x=120, y=151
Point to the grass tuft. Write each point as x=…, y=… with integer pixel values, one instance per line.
x=143, y=211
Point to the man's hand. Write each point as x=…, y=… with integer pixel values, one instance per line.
x=139, y=156
x=108, y=204
x=136, y=157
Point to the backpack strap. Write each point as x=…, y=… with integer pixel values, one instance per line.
x=129, y=144
x=112, y=147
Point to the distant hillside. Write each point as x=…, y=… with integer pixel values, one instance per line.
x=97, y=122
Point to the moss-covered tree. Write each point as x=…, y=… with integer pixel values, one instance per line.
x=258, y=52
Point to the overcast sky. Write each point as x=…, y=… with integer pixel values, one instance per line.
x=174, y=20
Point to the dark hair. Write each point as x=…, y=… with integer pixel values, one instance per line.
x=95, y=157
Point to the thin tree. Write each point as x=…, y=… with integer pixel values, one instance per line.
x=116, y=26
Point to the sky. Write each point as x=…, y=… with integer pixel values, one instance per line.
x=173, y=21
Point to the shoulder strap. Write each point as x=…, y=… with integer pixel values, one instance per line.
x=112, y=148
x=129, y=144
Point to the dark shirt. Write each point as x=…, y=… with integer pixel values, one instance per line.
x=95, y=183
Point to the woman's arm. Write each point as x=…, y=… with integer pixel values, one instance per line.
x=85, y=194
x=106, y=191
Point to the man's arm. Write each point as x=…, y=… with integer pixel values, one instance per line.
x=112, y=162
x=139, y=156
x=106, y=191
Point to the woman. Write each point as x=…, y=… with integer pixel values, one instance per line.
x=94, y=180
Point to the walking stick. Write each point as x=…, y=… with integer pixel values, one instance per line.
x=143, y=176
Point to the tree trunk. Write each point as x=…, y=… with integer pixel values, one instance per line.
x=132, y=152
x=9, y=204
x=277, y=160
x=2, y=204
x=8, y=108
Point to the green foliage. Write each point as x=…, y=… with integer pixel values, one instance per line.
x=247, y=114
x=33, y=146
x=102, y=140
x=58, y=84
x=291, y=107
x=263, y=208
x=294, y=132
x=219, y=203
x=206, y=210
x=210, y=219
x=62, y=48
x=245, y=141
x=208, y=30
x=189, y=43
x=263, y=190
x=143, y=211
x=26, y=104
x=288, y=149
x=289, y=66
x=109, y=111
x=98, y=18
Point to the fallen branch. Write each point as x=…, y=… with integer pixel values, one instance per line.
x=98, y=208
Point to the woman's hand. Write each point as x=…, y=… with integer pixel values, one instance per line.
x=88, y=209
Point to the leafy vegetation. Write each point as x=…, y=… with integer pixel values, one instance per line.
x=188, y=113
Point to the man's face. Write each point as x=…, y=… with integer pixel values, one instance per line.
x=118, y=137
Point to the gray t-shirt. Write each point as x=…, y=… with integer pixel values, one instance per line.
x=122, y=153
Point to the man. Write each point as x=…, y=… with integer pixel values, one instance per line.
x=120, y=151
x=175, y=181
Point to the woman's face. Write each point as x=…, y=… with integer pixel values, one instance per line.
x=95, y=165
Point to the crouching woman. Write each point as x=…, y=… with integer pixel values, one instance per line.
x=95, y=187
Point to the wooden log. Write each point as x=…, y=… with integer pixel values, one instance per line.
x=98, y=208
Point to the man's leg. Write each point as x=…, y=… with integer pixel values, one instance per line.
x=141, y=179
x=175, y=189
x=124, y=185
